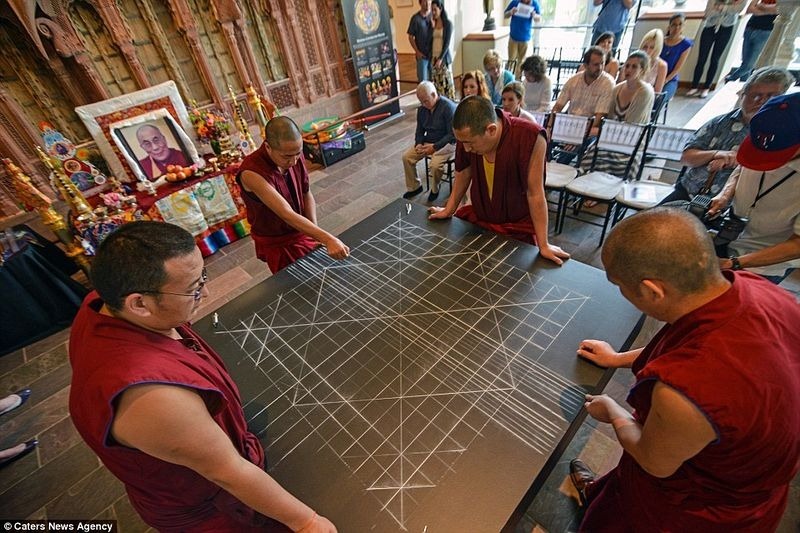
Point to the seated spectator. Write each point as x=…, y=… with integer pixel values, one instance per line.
x=713, y=148
x=656, y=74
x=675, y=51
x=631, y=101
x=588, y=93
x=714, y=439
x=496, y=76
x=433, y=138
x=538, y=87
x=513, y=97
x=500, y=159
x=473, y=83
x=766, y=190
x=8, y=404
x=523, y=14
x=606, y=42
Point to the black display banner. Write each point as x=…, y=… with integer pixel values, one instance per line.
x=369, y=30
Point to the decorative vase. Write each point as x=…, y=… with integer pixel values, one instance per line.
x=216, y=147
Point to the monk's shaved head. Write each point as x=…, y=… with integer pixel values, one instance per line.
x=280, y=130
x=664, y=244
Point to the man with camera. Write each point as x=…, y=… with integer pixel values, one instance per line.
x=711, y=154
x=765, y=190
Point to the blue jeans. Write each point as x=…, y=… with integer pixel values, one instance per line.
x=670, y=88
x=752, y=44
x=423, y=68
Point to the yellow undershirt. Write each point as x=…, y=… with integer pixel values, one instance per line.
x=488, y=172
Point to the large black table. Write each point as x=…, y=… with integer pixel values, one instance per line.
x=428, y=381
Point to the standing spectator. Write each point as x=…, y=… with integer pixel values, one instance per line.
x=473, y=83
x=523, y=14
x=513, y=98
x=8, y=404
x=441, y=58
x=652, y=44
x=755, y=37
x=538, y=87
x=675, y=51
x=612, y=17
x=420, y=35
x=433, y=138
x=496, y=76
x=717, y=28
x=714, y=146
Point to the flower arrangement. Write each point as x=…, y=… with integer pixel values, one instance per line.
x=210, y=125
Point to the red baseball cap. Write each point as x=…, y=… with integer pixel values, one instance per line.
x=774, y=134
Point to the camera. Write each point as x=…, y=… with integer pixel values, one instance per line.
x=726, y=227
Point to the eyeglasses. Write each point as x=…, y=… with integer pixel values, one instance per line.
x=196, y=294
x=760, y=97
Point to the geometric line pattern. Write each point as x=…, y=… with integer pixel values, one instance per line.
x=397, y=359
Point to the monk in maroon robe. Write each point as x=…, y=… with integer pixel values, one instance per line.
x=501, y=159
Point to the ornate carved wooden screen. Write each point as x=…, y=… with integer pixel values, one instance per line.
x=294, y=51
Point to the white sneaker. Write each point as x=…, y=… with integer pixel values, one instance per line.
x=704, y=93
x=693, y=92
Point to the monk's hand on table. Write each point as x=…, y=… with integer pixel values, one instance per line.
x=438, y=213
x=602, y=408
x=598, y=352
x=553, y=253
x=336, y=248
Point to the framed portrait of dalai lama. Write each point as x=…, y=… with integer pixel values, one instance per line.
x=151, y=143
x=113, y=124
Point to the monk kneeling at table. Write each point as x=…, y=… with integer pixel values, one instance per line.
x=501, y=159
x=280, y=207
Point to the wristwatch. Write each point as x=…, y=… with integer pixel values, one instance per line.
x=735, y=264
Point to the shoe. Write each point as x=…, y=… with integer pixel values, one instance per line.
x=433, y=195
x=581, y=476
x=29, y=447
x=693, y=91
x=23, y=394
x=704, y=93
x=412, y=194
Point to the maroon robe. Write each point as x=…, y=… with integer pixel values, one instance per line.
x=277, y=243
x=736, y=360
x=507, y=212
x=109, y=355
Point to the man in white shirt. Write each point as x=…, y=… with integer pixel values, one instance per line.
x=765, y=189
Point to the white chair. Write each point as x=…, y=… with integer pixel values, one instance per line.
x=566, y=129
x=614, y=138
x=663, y=144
